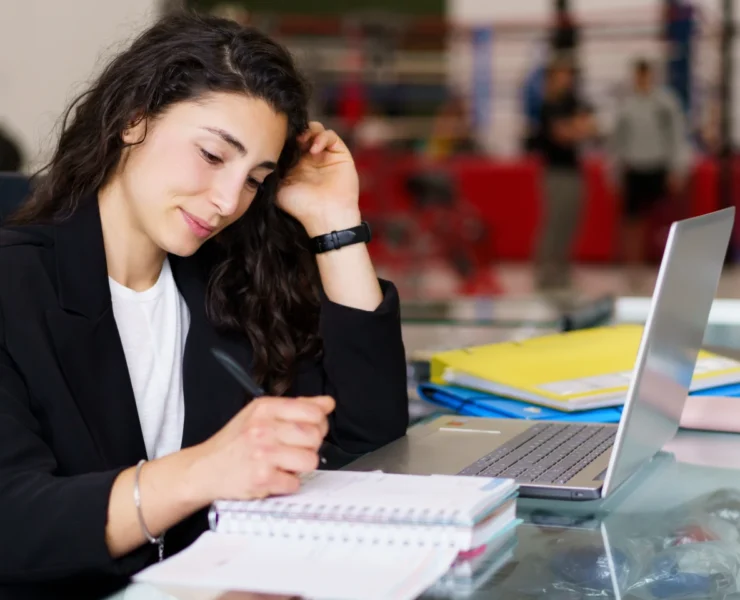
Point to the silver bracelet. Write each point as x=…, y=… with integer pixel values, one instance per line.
x=137, y=501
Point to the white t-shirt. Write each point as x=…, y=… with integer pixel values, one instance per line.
x=153, y=326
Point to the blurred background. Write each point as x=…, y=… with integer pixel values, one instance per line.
x=504, y=148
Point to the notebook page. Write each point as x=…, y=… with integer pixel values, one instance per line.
x=382, y=497
x=279, y=566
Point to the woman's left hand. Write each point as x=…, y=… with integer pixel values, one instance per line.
x=322, y=190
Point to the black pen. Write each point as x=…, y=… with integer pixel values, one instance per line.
x=238, y=373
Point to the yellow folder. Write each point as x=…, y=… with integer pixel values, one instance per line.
x=577, y=370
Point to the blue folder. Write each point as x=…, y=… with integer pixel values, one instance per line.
x=731, y=389
x=474, y=403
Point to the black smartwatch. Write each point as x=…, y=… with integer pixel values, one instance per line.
x=339, y=239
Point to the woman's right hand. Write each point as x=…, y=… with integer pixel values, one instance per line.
x=262, y=450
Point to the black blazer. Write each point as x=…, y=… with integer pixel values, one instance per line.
x=68, y=418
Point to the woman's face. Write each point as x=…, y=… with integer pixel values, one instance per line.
x=199, y=167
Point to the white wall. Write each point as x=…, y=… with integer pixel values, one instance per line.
x=48, y=50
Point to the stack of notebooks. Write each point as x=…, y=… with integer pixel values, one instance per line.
x=351, y=535
x=474, y=568
x=578, y=375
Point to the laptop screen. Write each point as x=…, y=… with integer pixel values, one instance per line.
x=674, y=331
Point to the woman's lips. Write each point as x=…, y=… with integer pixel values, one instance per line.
x=199, y=227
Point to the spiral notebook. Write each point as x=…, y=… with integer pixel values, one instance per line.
x=344, y=535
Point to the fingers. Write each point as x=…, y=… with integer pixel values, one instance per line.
x=284, y=436
x=301, y=435
x=325, y=403
x=314, y=128
x=326, y=140
x=293, y=460
x=271, y=481
x=290, y=409
x=316, y=139
x=291, y=421
x=305, y=140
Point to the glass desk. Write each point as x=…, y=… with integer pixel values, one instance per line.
x=672, y=531
x=512, y=311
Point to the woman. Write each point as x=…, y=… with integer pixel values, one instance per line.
x=180, y=213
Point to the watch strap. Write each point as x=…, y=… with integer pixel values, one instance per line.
x=339, y=239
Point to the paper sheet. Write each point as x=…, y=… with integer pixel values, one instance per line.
x=325, y=570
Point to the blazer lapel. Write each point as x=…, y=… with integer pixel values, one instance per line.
x=212, y=396
x=87, y=342
x=90, y=353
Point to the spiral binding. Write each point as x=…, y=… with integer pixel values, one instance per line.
x=336, y=523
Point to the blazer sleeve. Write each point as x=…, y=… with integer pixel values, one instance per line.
x=52, y=526
x=363, y=368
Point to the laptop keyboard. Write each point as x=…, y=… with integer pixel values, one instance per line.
x=545, y=453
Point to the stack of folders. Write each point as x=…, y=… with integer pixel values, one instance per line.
x=350, y=535
x=569, y=372
x=473, y=403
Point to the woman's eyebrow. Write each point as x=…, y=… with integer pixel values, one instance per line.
x=235, y=143
x=228, y=138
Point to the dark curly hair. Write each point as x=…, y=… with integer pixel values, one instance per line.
x=263, y=280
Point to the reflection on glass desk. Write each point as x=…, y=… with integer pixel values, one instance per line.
x=689, y=550
x=673, y=532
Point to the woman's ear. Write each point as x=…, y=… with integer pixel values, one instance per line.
x=135, y=131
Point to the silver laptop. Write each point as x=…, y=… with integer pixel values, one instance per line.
x=581, y=461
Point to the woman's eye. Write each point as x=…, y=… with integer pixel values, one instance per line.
x=210, y=158
x=253, y=184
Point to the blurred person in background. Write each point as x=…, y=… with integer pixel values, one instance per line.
x=446, y=225
x=532, y=92
x=649, y=150
x=452, y=131
x=565, y=124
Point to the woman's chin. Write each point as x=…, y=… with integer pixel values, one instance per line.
x=184, y=247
